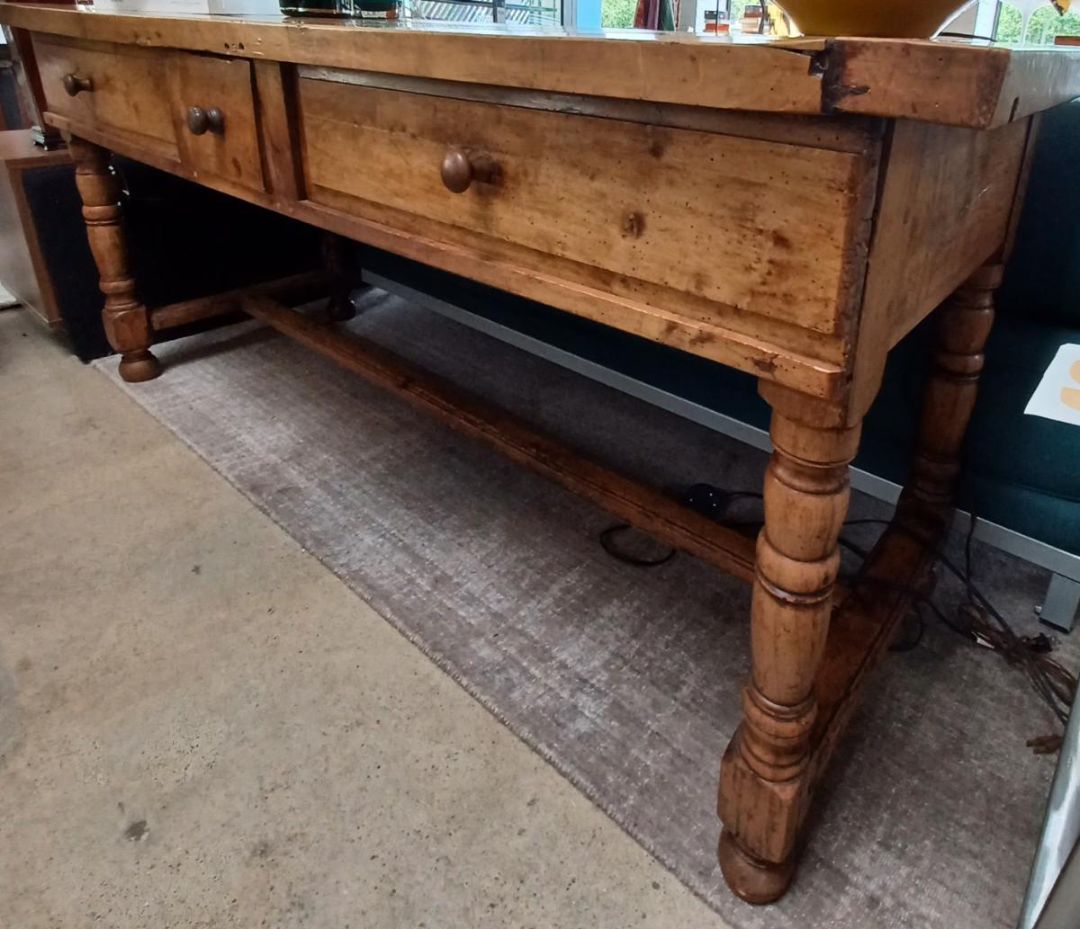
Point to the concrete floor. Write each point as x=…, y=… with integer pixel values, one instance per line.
x=201, y=726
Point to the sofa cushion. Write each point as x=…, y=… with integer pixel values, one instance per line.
x=1023, y=471
x=1042, y=281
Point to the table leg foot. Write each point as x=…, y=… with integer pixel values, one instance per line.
x=750, y=878
x=139, y=365
x=339, y=308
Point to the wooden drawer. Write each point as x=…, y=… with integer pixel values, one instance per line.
x=142, y=98
x=760, y=226
x=229, y=150
x=122, y=89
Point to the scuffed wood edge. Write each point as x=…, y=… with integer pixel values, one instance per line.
x=963, y=85
x=957, y=85
x=1037, y=81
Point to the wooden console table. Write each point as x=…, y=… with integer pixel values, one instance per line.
x=790, y=209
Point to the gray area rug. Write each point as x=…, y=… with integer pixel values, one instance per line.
x=627, y=680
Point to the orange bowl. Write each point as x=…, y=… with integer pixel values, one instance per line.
x=901, y=19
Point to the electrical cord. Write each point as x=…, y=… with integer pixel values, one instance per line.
x=978, y=620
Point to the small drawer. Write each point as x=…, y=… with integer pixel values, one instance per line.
x=180, y=106
x=759, y=226
x=118, y=89
x=214, y=109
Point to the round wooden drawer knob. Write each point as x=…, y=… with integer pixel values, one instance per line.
x=460, y=168
x=200, y=121
x=75, y=85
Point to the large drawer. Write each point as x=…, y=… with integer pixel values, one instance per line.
x=180, y=106
x=760, y=226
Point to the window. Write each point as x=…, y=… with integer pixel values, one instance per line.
x=527, y=12
x=1034, y=23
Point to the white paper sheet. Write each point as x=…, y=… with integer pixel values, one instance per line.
x=1058, y=394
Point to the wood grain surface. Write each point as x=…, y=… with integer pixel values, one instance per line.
x=202, y=81
x=129, y=92
x=760, y=226
x=943, y=81
x=717, y=197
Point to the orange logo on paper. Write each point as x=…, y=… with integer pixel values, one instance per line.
x=1070, y=396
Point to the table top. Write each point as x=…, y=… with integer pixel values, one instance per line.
x=955, y=82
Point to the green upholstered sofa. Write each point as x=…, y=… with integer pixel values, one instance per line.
x=1022, y=473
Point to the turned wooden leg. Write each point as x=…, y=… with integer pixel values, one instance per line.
x=127, y=322
x=768, y=772
x=339, y=307
x=964, y=323
x=764, y=776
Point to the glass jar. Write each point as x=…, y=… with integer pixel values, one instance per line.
x=751, y=19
